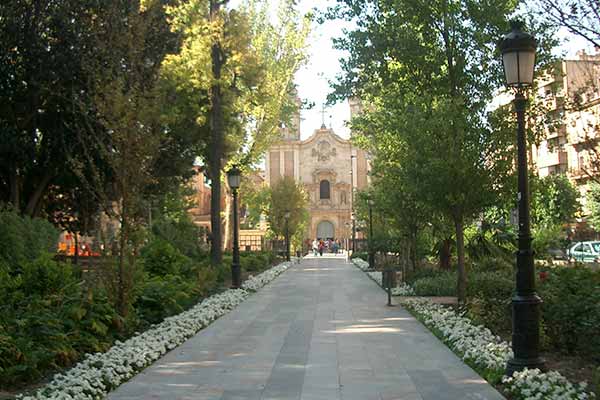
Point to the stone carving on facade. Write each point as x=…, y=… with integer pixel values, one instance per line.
x=324, y=151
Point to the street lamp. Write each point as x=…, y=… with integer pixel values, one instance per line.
x=287, y=235
x=518, y=58
x=370, y=202
x=352, y=157
x=233, y=179
x=353, y=218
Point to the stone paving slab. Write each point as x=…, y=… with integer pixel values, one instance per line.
x=320, y=331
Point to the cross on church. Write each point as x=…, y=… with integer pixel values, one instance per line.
x=323, y=117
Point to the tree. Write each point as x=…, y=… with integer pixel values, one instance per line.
x=554, y=201
x=580, y=17
x=36, y=117
x=243, y=72
x=428, y=70
x=121, y=124
x=287, y=196
x=593, y=204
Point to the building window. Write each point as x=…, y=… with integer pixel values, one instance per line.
x=324, y=190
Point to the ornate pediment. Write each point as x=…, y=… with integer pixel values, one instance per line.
x=323, y=151
x=324, y=174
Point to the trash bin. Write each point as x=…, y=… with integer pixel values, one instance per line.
x=389, y=282
x=389, y=278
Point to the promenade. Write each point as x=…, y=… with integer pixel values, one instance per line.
x=320, y=331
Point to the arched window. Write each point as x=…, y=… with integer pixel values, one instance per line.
x=325, y=192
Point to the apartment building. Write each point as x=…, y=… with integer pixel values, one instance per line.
x=570, y=95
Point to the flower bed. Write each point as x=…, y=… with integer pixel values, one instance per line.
x=99, y=373
x=403, y=289
x=488, y=354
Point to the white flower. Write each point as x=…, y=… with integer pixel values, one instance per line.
x=99, y=373
x=403, y=289
x=478, y=345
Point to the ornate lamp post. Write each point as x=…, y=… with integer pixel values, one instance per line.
x=287, y=235
x=370, y=202
x=518, y=58
x=352, y=217
x=233, y=179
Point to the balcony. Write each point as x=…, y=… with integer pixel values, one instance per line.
x=552, y=158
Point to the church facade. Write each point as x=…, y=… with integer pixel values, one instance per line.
x=329, y=167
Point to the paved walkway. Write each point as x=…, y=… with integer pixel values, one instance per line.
x=320, y=331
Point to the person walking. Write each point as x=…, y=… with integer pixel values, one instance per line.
x=335, y=247
x=321, y=247
x=315, y=247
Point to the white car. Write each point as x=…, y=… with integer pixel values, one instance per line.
x=585, y=251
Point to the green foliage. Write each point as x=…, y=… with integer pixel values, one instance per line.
x=489, y=295
x=160, y=258
x=23, y=238
x=441, y=284
x=47, y=321
x=254, y=262
x=554, y=201
x=163, y=296
x=287, y=196
x=420, y=273
x=593, y=203
x=181, y=232
x=571, y=309
x=361, y=254
x=492, y=241
x=491, y=264
x=546, y=238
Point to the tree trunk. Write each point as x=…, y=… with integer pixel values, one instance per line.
x=413, y=252
x=122, y=290
x=227, y=228
x=37, y=195
x=461, y=287
x=445, y=254
x=76, y=252
x=216, y=151
x=15, y=188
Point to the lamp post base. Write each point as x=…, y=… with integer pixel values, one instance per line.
x=526, y=334
x=519, y=364
x=236, y=279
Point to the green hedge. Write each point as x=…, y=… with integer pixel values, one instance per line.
x=442, y=284
x=47, y=320
x=49, y=317
x=570, y=310
x=24, y=239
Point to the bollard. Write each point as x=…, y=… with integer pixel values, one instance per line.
x=388, y=282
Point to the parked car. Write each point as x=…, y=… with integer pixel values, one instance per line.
x=585, y=251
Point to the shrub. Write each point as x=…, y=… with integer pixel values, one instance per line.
x=254, y=262
x=571, y=309
x=163, y=296
x=494, y=264
x=160, y=258
x=420, y=273
x=441, y=284
x=489, y=297
x=207, y=281
x=361, y=254
x=24, y=239
x=181, y=233
x=46, y=322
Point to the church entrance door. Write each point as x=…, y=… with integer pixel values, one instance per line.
x=325, y=230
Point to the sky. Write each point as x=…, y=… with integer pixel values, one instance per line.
x=323, y=65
